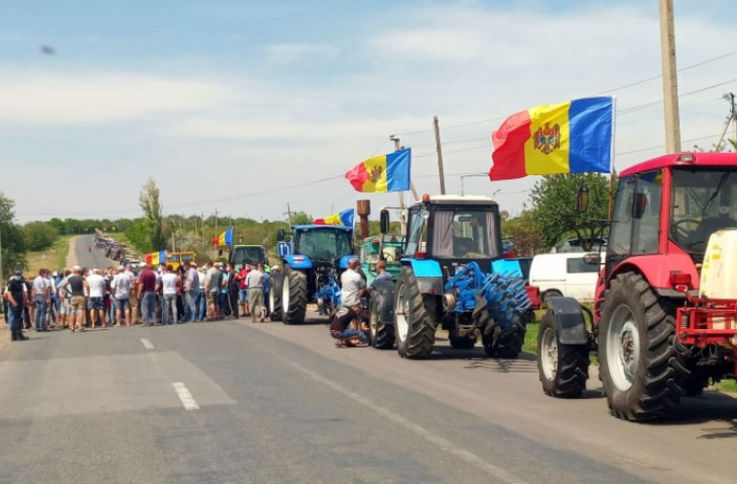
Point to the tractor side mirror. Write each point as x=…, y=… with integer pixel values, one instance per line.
x=280, y=235
x=384, y=221
x=592, y=259
x=582, y=199
x=640, y=205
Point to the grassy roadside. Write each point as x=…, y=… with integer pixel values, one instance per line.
x=53, y=258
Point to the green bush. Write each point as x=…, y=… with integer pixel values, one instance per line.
x=39, y=235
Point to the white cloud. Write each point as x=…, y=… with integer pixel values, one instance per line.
x=69, y=99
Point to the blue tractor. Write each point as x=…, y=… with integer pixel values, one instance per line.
x=318, y=254
x=453, y=275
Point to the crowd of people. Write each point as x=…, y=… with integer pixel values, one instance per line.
x=82, y=298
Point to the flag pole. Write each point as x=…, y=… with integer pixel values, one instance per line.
x=402, y=209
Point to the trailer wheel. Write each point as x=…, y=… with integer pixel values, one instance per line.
x=413, y=323
x=294, y=297
x=638, y=361
x=563, y=369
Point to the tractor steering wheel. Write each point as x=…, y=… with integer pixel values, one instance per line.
x=388, y=258
x=681, y=232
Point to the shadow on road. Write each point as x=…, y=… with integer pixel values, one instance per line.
x=713, y=407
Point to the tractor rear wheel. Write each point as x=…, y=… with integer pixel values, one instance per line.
x=381, y=334
x=638, y=361
x=413, y=323
x=294, y=297
x=563, y=369
x=277, y=281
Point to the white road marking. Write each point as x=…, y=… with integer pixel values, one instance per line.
x=147, y=344
x=187, y=400
x=447, y=446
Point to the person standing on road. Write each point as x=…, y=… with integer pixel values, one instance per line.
x=77, y=286
x=169, y=281
x=40, y=294
x=202, y=295
x=213, y=290
x=133, y=293
x=191, y=290
x=233, y=289
x=16, y=296
x=121, y=289
x=243, y=289
x=147, y=290
x=255, y=283
x=97, y=293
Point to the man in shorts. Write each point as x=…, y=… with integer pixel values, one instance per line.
x=96, y=283
x=121, y=288
x=76, y=285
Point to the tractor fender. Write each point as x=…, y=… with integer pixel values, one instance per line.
x=428, y=273
x=298, y=261
x=569, y=320
x=343, y=262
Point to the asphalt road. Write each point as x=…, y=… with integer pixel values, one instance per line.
x=243, y=402
x=94, y=259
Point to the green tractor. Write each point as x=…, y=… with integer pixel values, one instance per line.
x=387, y=248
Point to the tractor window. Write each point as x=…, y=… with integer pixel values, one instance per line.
x=464, y=234
x=417, y=232
x=620, y=234
x=324, y=244
x=646, y=220
x=247, y=255
x=702, y=202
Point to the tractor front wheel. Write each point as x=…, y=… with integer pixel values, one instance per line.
x=275, y=294
x=563, y=369
x=638, y=361
x=381, y=334
x=294, y=297
x=413, y=323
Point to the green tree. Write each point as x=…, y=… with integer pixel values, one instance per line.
x=526, y=233
x=152, y=212
x=139, y=236
x=301, y=218
x=13, y=244
x=39, y=235
x=554, y=203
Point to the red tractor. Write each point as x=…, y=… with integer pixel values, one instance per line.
x=665, y=316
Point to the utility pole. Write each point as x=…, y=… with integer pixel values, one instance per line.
x=441, y=174
x=670, y=78
x=216, y=221
x=402, y=207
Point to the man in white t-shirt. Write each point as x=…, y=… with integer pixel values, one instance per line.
x=121, y=287
x=169, y=282
x=97, y=291
x=40, y=292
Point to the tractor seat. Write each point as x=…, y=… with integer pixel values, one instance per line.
x=462, y=246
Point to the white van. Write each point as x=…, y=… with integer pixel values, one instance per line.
x=564, y=274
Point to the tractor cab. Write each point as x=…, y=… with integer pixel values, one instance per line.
x=667, y=208
x=455, y=231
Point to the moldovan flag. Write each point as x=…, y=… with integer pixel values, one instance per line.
x=226, y=238
x=344, y=218
x=572, y=137
x=385, y=173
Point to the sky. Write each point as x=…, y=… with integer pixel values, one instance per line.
x=254, y=108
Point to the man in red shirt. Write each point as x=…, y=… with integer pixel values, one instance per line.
x=243, y=292
x=147, y=283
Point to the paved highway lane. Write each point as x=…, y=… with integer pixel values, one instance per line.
x=230, y=402
x=95, y=258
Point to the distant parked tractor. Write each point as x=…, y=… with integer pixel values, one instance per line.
x=665, y=316
x=387, y=248
x=312, y=268
x=452, y=275
x=241, y=254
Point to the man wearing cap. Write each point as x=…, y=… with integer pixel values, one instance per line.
x=77, y=286
x=212, y=285
x=133, y=293
x=17, y=297
x=255, y=283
